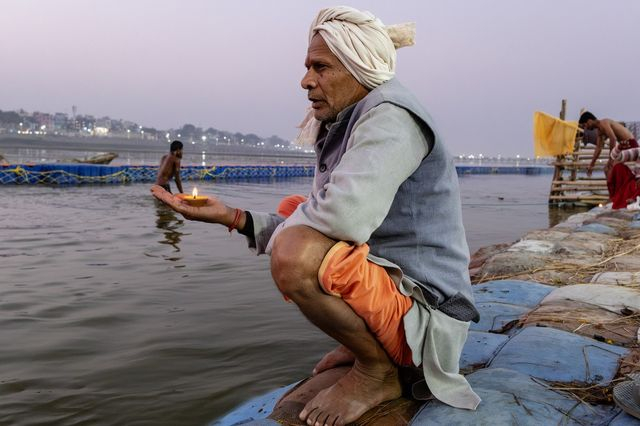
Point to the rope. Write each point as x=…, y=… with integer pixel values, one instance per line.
x=80, y=174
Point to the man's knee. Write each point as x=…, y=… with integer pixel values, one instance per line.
x=295, y=259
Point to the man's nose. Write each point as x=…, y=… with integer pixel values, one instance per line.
x=308, y=82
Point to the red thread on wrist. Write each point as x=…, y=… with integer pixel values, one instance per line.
x=236, y=220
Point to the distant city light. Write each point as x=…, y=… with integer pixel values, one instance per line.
x=67, y=124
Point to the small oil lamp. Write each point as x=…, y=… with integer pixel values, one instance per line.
x=194, y=200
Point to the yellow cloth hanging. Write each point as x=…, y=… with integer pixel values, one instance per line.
x=553, y=136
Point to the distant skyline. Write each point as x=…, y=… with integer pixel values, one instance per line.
x=480, y=68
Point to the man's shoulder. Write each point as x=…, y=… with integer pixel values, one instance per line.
x=394, y=93
x=390, y=110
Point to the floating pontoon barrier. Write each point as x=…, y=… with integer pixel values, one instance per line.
x=76, y=174
x=503, y=170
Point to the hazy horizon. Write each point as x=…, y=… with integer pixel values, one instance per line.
x=480, y=69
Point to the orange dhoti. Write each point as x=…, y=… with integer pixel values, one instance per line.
x=368, y=289
x=345, y=272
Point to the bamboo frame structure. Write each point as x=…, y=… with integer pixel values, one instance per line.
x=570, y=184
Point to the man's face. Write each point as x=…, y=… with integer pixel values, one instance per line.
x=589, y=124
x=178, y=153
x=331, y=88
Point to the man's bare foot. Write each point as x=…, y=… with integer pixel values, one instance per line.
x=337, y=357
x=352, y=396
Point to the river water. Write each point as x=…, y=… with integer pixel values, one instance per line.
x=116, y=311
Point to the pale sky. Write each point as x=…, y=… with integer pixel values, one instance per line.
x=480, y=67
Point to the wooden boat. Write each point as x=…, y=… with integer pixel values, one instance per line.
x=101, y=158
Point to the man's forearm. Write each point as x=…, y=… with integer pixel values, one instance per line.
x=596, y=155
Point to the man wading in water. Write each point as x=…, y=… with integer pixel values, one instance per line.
x=170, y=167
x=376, y=256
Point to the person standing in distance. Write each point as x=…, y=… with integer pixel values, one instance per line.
x=170, y=167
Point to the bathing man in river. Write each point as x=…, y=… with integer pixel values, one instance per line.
x=607, y=129
x=376, y=255
x=170, y=167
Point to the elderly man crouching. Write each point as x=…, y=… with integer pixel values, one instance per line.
x=376, y=256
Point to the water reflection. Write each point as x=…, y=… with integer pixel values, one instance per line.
x=170, y=223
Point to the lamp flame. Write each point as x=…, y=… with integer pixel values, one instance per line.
x=195, y=192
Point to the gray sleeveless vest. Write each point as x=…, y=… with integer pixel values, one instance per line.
x=423, y=233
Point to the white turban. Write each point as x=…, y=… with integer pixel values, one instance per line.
x=363, y=45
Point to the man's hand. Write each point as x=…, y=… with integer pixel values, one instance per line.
x=589, y=170
x=215, y=211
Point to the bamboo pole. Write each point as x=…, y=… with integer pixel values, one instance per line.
x=581, y=197
x=557, y=172
x=581, y=182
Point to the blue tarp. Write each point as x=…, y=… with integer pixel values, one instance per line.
x=515, y=292
x=513, y=385
x=480, y=348
x=597, y=228
x=494, y=316
x=501, y=302
x=557, y=355
x=513, y=398
x=254, y=410
x=623, y=419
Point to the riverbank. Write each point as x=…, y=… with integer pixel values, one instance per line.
x=560, y=313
